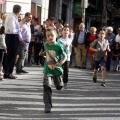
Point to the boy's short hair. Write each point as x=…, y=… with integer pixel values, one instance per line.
x=65, y=27
x=16, y=8
x=47, y=19
x=27, y=13
x=101, y=29
x=51, y=29
x=52, y=19
x=60, y=21
x=36, y=19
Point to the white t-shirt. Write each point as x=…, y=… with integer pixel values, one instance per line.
x=36, y=29
x=117, y=39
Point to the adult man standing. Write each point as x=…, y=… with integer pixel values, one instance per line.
x=110, y=36
x=26, y=36
x=80, y=44
x=12, y=30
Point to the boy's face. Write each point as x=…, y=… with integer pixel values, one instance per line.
x=101, y=34
x=118, y=31
x=117, y=44
x=51, y=36
x=28, y=18
x=65, y=31
x=39, y=29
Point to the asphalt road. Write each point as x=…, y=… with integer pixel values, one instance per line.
x=22, y=99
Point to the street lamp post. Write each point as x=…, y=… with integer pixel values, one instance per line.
x=84, y=5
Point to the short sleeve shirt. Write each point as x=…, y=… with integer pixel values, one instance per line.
x=102, y=45
x=64, y=42
x=56, y=51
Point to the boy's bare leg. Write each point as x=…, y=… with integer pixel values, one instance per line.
x=95, y=76
x=103, y=70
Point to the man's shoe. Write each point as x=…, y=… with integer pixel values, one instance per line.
x=10, y=76
x=78, y=67
x=94, y=79
x=23, y=71
x=18, y=72
x=75, y=66
x=83, y=67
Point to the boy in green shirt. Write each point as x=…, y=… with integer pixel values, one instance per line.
x=52, y=70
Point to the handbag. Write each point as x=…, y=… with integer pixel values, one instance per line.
x=57, y=79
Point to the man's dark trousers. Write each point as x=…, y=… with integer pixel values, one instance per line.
x=12, y=41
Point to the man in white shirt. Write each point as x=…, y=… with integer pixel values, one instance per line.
x=26, y=36
x=117, y=38
x=12, y=38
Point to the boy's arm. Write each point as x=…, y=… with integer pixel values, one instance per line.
x=108, y=47
x=93, y=46
x=94, y=49
x=63, y=60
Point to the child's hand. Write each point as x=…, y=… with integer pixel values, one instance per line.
x=65, y=46
x=58, y=64
x=40, y=53
x=22, y=42
x=5, y=51
x=98, y=49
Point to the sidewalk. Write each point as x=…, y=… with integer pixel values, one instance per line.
x=22, y=99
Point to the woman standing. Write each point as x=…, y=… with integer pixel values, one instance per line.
x=91, y=37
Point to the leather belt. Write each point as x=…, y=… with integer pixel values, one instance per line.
x=26, y=41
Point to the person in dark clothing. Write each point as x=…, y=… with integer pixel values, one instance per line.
x=12, y=39
x=34, y=31
x=39, y=45
x=80, y=44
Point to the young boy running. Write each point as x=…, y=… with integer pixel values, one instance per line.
x=100, y=47
x=52, y=69
x=66, y=43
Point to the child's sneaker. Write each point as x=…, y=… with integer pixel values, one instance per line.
x=94, y=79
x=47, y=109
x=1, y=76
x=103, y=84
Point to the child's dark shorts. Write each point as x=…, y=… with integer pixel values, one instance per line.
x=101, y=63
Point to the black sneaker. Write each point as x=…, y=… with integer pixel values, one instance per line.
x=94, y=79
x=18, y=72
x=23, y=71
x=103, y=84
x=47, y=109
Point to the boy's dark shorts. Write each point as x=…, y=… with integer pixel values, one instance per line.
x=101, y=63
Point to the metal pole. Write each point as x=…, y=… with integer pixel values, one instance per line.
x=83, y=15
x=84, y=4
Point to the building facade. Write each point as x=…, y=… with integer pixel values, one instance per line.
x=7, y=7
x=38, y=8
x=62, y=9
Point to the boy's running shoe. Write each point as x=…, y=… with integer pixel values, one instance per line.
x=94, y=79
x=103, y=84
